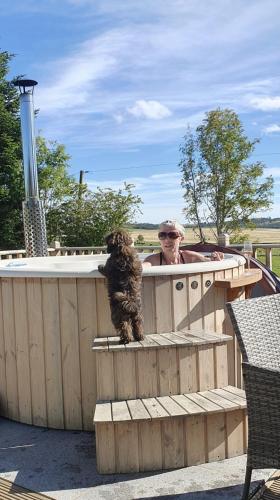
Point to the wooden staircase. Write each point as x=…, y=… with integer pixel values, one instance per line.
x=165, y=402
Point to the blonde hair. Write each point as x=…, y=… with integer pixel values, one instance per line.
x=172, y=224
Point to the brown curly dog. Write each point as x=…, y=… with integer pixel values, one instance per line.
x=123, y=271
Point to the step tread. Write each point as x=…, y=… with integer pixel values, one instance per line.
x=184, y=337
x=206, y=402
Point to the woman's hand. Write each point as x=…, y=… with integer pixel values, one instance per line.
x=217, y=256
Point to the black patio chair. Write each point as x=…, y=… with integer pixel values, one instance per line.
x=256, y=323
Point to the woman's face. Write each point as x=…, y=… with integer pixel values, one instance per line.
x=168, y=243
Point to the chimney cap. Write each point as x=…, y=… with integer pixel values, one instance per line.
x=22, y=84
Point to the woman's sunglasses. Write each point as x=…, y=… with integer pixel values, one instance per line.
x=172, y=235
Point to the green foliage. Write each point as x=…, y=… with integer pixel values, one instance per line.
x=220, y=185
x=140, y=240
x=11, y=174
x=86, y=220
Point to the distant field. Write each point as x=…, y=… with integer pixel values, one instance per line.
x=256, y=235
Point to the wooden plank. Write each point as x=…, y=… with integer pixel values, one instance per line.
x=247, y=278
x=217, y=398
x=175, y=339
x=87, y=321
x=53, y=366
x=235, y=390
x=103, y=412
x=154, y=408
x=195, y=440
x=105, y=448
x=104, y=324
x=168, y=372
x=180, y=315
x=187, y=365
x=195, y=302
x=120, y=411
x=148, y=342
x=125, y=374
x=10, y=348
x=206, y=373
x=3, y=381
x=216, y=437
x=173, y=443
x=208, y=292
x=147, y=376
x=235, y=433
x=171, y=406
x=127, y=449
x=22, y=350
x=219, y=303
x=148, y=304
x=161, y=341
x=105, y=386
x=70, y=353
x=138, y=410
x=231, y=345
x=150, y=446
x=163, y=296
x=190, y=406
x=37, y=351
x=238, y=400
x=100, y=342
x=205, y=403
x=220, y=365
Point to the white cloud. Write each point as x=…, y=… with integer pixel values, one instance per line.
x=266, y=103
x=270, y=129
x=153, y=110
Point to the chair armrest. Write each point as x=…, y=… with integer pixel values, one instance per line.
x=262, y=388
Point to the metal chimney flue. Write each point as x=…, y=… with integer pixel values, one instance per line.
x=33, y=212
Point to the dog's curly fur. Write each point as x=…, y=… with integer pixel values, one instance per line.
x=123, y=271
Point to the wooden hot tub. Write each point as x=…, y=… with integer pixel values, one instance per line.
x=52, y=308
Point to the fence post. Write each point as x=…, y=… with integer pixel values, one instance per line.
x=268, y=257
x=223, y=240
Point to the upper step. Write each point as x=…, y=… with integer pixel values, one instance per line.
x=186, y=338
x=161, y=364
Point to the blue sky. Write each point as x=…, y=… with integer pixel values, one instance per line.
x=120, y=81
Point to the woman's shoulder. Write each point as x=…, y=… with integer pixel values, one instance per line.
x=153, y=259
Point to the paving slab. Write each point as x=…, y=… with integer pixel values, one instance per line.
x=62, y=464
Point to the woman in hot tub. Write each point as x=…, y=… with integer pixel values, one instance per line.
x=170, y=235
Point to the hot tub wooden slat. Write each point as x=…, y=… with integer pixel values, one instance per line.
x=87, y=318
x=147, y=383
x=69, y=350
x=104, y=324
x=22, y=340
x=208, y=301
x=163, y=304
x=187, y=364
x=180, y=303
x=125, y=375
x=50, y=303
x=37, y=351
x=10, y=348
x=195, y=302
x=148, y=304
x=3, y=381
x=206, y=374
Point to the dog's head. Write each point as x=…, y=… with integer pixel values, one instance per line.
x=117, y=240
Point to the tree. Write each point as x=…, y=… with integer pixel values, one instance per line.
x=11, y=173
x=221, y=185
x=86, y=220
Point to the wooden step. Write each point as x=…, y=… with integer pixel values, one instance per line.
x=160, y=365
x=171, y=431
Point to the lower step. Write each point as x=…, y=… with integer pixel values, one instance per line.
x=170, y=432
